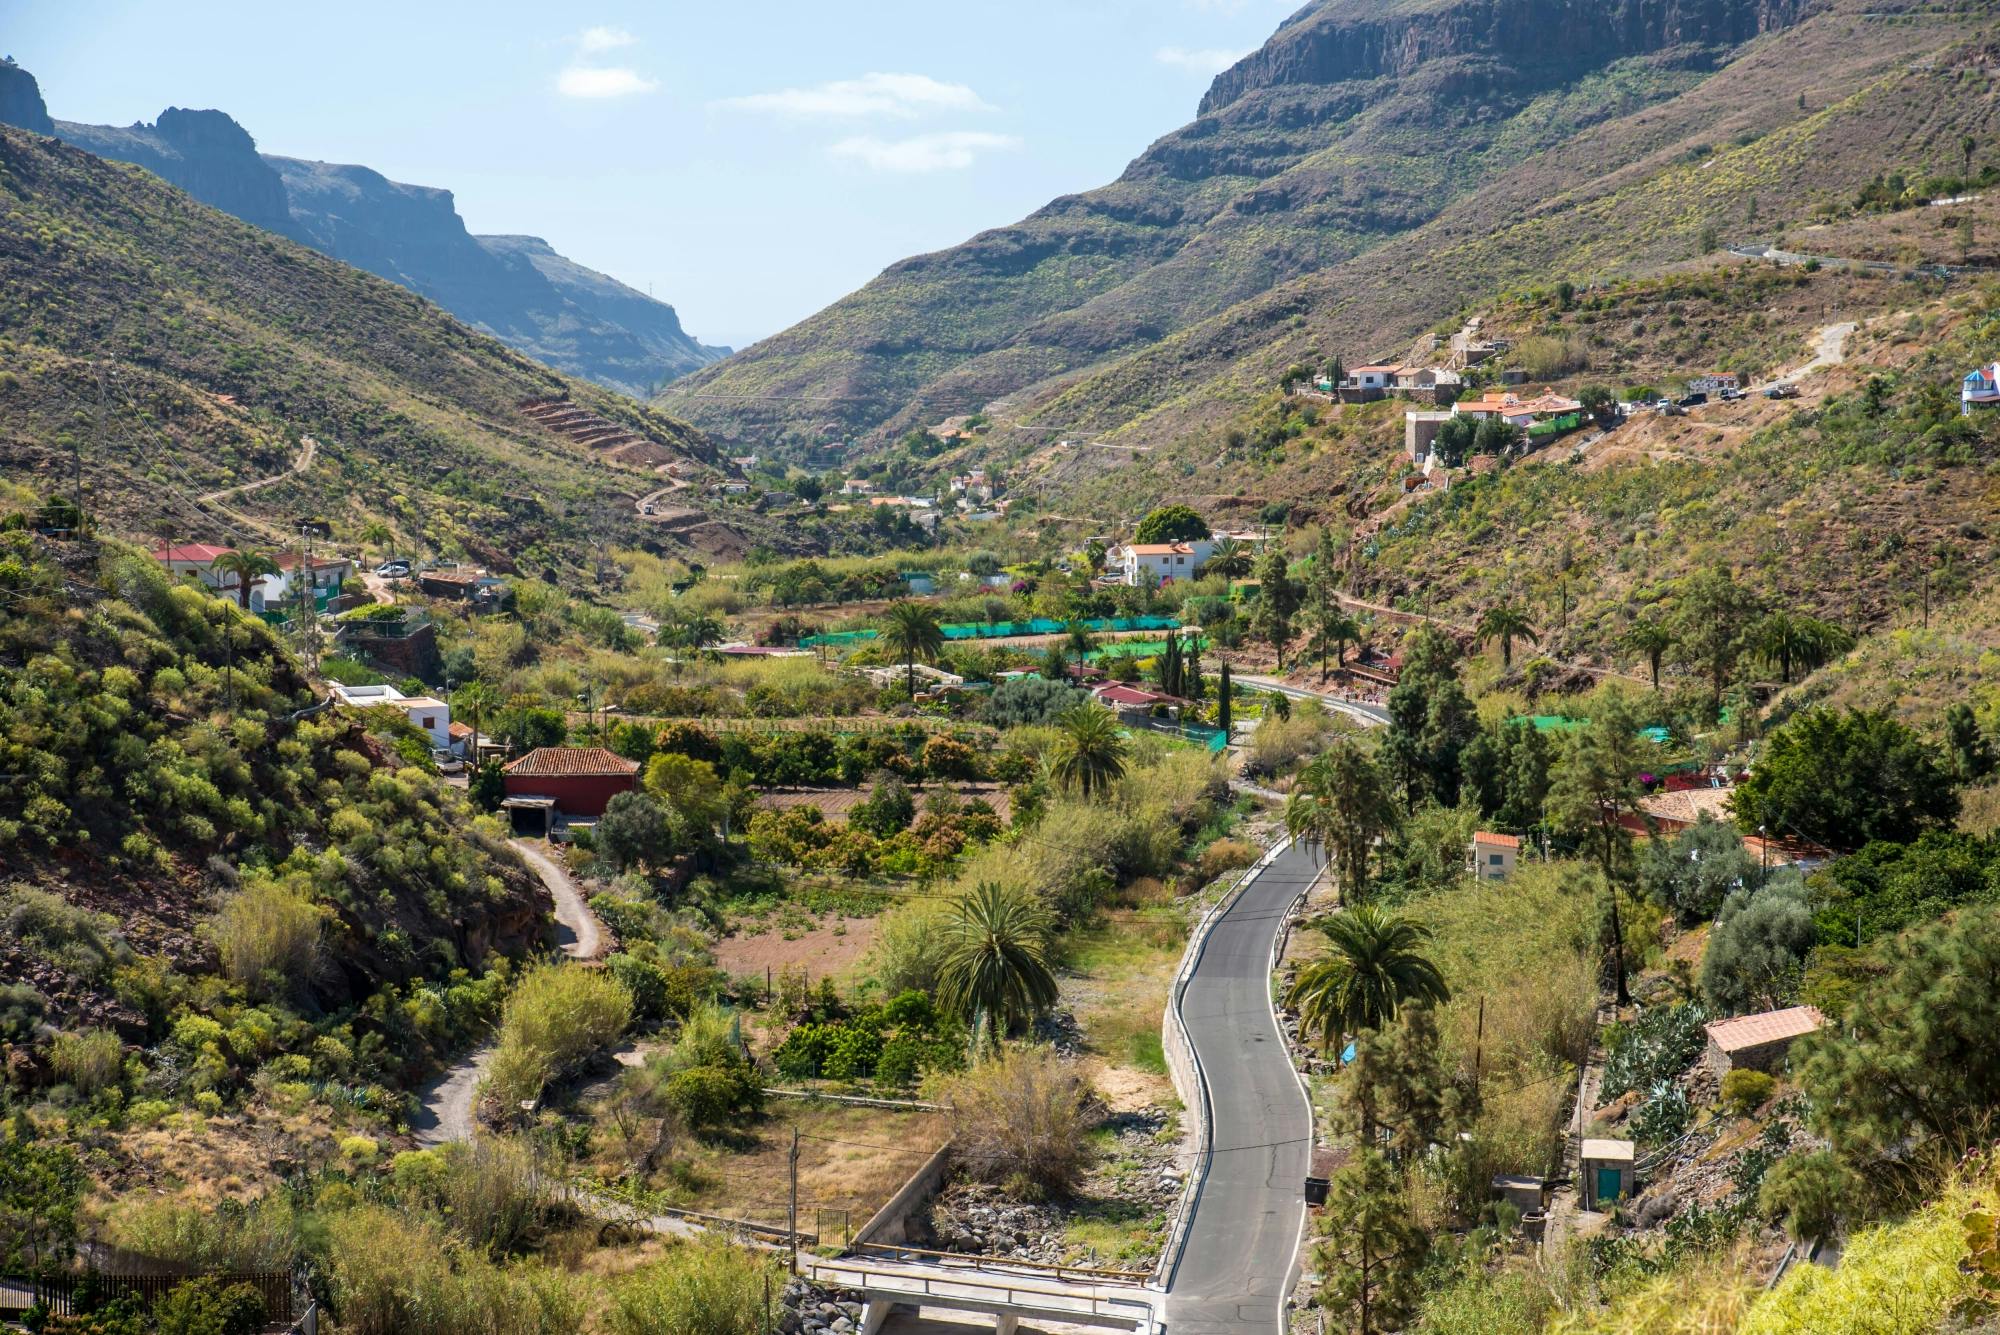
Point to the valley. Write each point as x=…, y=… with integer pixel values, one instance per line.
x=1389, y=724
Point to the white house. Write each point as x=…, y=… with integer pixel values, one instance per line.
x=1980, y=389
x=1370, y=377
x=1494, y=856
x=1141, y=563
x=1715, y=383
x=432, y=715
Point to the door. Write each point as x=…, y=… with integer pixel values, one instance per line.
x=1610, y=1185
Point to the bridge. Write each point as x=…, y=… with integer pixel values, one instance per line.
x=1008, y=1294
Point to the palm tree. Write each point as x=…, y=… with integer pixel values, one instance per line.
x=1078, y=639
x=247, y=567
x=696, y=631
x=1090, y=750
x=1230, y=560
x=1655, y=640
x=912, y=632
x=1375, y=970
x=477, y=699
x=1786, y=641
x=1504, y=623
x=1341, y=804
x=376, y=534
x=995, y=966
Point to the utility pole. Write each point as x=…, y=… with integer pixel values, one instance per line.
x=792, y=1211
x=1479, y=1047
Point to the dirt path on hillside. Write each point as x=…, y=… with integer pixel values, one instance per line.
x=447, y=1105
x=308, y=448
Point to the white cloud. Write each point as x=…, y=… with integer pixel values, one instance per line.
x=1207, y=60
x=595, y=82
x=594, y=41
x=899, y=96
x=952, y=150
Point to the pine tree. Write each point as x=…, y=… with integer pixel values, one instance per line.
x=1371, y=1249
x=1225, y=706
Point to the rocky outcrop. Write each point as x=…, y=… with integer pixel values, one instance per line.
x=21, y=100
x=205, y=153
x=1342, y=40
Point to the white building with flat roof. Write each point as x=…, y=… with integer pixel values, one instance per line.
x=425, y=712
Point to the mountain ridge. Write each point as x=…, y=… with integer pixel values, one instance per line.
x=577, y=320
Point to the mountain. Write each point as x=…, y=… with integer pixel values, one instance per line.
x=531, y=298
x=171, y=353
x=1370, y=170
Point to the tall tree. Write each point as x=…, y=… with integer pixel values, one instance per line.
x=477, y=699
x=911, y=632
x=1431, y=720
x=1277, y=601
x=1843, y=779
x=1332, y=628
x=1711, y=619
x=996, y=964
x=1370, y=1249
x=1225, y=703
x=1595, y=784
x=1376, y=966
x=1502, y=624
x=1089, y=753
x=1171, y=523
x=248, y=567
x=1341, y=804
x=1654, y=639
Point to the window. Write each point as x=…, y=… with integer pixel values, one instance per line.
x=1496, y=859
x=430, y=722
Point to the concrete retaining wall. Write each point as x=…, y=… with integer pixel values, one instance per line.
x=890, y=1225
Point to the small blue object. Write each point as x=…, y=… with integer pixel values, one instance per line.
x=1347, y=1055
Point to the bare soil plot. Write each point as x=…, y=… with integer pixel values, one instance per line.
x=834, y=947
x=841, y=801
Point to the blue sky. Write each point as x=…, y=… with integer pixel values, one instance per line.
x=751, y=162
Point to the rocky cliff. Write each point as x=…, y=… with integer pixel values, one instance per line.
x=1359, y=122
x=21, y=100
x=531, y=298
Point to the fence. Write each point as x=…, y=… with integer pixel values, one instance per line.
x=1000, y=630
x=71, y=1295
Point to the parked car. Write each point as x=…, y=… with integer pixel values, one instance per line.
x=1782, y=390
x=1668, y=408
x=1731, y=395
x=447, y=762
x=393, y=570
x=1694, y=400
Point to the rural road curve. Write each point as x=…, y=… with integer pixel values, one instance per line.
x=577, y=930
x=1370, y=715
x=447, y=1103
x=1236, y=1269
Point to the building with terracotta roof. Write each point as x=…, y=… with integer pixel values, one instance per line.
x=1161, y=562
x=568, y=781
x=1758, y=1042
x=1494, y=856
x=1516, y=410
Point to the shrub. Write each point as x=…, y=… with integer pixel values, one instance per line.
x=889, y=808
x=194, y=1235
x=392, y=1274
x=205, y=1307
x=646, y=982
x=1019, y=1121
x=1029, y=700
x=1659, y=1045
x=708, y=1097
x=1692, y=872
x=90, y=1061
x=1744, y=1092
x=1664, y=1115
x=634, y=832
x=1756, y=954
x=911, y=946
x=1810, y=1193
x=82, y=942
x=1222, y=856
x=269, y=936
x=556, y=1019
x=698, y=1288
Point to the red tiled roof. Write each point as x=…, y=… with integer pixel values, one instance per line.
x=571, y=761
x=199, y=552
x=1753, y=1031
x=1130, y=695
x=458, y=729
x=1497, y=840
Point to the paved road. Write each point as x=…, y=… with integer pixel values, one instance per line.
x=1238, y=1264
x=1370, y=715
x=577, y=930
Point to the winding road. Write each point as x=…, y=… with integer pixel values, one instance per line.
x=448, y=1104
x=1241, y=1254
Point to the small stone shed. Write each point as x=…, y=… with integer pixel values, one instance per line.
x=1758, y=1042
x=1605, y=1174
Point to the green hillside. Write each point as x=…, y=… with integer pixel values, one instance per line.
x=1363, y=176
x=170, y=350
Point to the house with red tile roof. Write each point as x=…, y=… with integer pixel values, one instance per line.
x=1494, y=856
x=573, y=781
x=1758, y=1042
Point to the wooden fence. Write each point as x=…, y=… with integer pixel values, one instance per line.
x=70, y=1295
